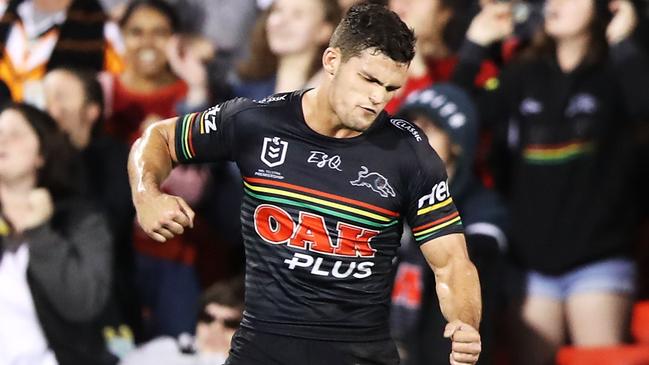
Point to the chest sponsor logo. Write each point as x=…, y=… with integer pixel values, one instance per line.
x=438, y=194
x=581, y=104
x=322, y=160
x=210, y=119
x=406, y=126
x=375, y=181
x=275, y=226
x=531, y=106
x=273, y=152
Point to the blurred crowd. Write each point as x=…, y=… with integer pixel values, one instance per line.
x=539, y=109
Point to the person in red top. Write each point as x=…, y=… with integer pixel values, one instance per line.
x=439, y=26
x=147, y=89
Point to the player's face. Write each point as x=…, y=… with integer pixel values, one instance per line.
x=363, y=85
x=295, y=26
x=19, y=147
x=568, y=18
x=146, y=34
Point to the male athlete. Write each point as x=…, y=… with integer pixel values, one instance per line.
x=328, y=178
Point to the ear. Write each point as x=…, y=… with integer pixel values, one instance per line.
x=92, y=112
x=331, y=60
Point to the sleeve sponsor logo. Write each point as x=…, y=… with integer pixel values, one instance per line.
x=209, y=119
x=438, y=194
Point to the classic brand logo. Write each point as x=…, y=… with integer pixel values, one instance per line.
x=322, y=159
x=375, y=181
x=405, y=126
x=273, y=152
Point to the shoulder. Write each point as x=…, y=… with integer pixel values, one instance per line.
x=414, y=144
x=240, y=105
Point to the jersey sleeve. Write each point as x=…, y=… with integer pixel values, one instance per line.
x=431, y=212
x=208, y=136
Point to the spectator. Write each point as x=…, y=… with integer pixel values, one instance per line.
x=563, y=117
x=147, y=89
x=448, y=118
x=219, y=315
x=56, y=251
x=74, y=98
x=287, y=45
x=39, y=35
x=439, y=26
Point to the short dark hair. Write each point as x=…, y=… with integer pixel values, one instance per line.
x=374, y=26
x=161, y=6
x=229, y=293
x=58, y=174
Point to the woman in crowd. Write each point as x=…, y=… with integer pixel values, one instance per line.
x=439, y=26
x=564, y=116
x=147, y=89
x=287, y=46
x=55, y=251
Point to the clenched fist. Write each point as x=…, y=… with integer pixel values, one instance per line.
x=163, y=216
x=466, y=345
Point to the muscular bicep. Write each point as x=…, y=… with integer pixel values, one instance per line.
x=442, y=251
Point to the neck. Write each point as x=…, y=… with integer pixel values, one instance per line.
x=16, y=190
x=80, y=138
x=320, y=116
x=141, y=83
x=293, y=71
x=49, y=6
x=571, y=51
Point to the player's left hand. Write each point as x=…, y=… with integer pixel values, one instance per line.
x=466, y=345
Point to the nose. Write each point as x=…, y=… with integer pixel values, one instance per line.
x=378, y=96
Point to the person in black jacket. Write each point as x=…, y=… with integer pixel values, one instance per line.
x=563, y=117
x=55, y=250
x=448, y=117
x=74, y=98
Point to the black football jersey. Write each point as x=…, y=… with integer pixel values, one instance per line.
x=321, y=216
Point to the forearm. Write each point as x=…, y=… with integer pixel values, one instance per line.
x=458, y=290
x=150, y=161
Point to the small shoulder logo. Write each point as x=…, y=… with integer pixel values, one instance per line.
x=406, y=126
x=272, y=99
x=375, y=181
x=209, y=119
x=273, y=152
x=322, y=159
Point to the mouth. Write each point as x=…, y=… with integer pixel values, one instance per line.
x=369, y=110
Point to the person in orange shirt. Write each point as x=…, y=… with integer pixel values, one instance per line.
x=40, y=35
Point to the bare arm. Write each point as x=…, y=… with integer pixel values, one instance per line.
x=151, y=159
x=458, y=290
x=457, y=283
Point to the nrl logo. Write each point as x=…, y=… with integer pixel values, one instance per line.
x=375, y=181
x=274, y=151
